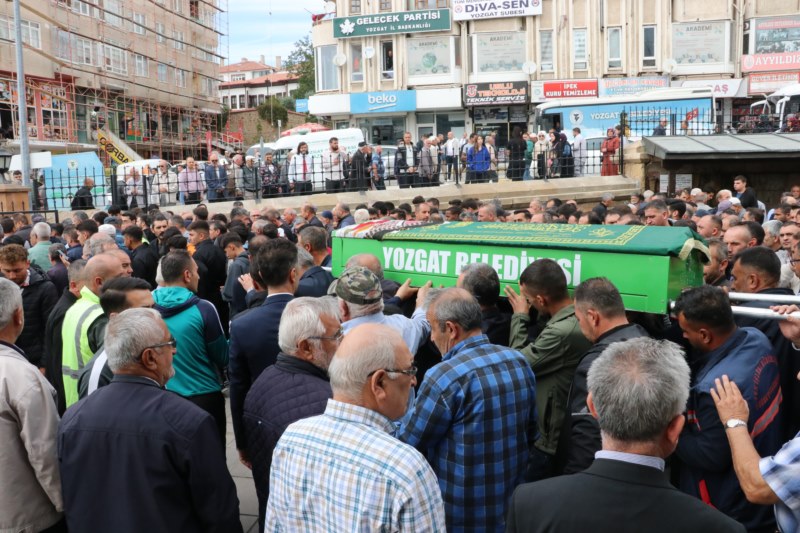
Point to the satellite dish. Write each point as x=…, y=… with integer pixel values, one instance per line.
x=369, y=52
x=529, y=67
x=670, y=65
x=340, y=59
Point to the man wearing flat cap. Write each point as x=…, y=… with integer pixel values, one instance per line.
x=361, y=302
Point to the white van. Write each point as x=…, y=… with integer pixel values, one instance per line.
x=124, y=170
x=317, y=143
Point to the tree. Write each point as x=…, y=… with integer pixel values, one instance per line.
x=272, y=111
x=301, y=63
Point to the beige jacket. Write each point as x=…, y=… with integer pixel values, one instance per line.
x=30, y=483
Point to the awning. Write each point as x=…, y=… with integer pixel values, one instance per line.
x=710, y=147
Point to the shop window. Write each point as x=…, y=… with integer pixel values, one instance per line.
x=649, y=46
x=546, y=50
x=387, y=60
x=579, y=52
x=614, y=48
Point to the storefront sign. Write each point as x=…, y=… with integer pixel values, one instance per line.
x=116, y=152
x=769, y=83
x=727, y=88
x=570, y=89
x=777, y=34
x=301, y=105
x=502, y=93
x=500, y=52
x=771, y=62
x=487, y=9
x=389, y=23
x=699, y=43
x=625, y=86
x=383, y=102
x=428, y=56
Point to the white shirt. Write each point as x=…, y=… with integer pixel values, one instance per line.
x=451, y=147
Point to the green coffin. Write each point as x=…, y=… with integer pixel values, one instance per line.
x=649, y=265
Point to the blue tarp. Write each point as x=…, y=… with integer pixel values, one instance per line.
x=66, y=176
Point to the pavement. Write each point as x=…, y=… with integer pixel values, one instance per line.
x=245, y=489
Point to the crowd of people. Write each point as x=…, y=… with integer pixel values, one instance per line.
x=363, y=404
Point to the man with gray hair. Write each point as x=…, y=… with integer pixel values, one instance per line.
x=40, y=244
x=606, y=201
x=474, y=416
x=293, y=388
x=772, y=240
x=314, y=280
x=482, y=281
x=30, y=483
x=361, y=302
x=342, y=470
x=174, y=463
x=637, y=392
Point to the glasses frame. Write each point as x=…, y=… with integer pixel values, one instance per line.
x=171, y=342
x=411, y=372
x=335, y=337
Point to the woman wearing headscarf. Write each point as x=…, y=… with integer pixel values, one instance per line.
x=541, y=148
x=516, y=158
x=567, y=162
x=609, y=150
x=556, y=152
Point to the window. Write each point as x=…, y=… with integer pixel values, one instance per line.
x=139, y=24
x=82, y=8
x=194, y=9
x=208, y=87
x=579, y=55
x=237, y=77
x=180, y=77
x=234, y=103
x=614, y=47
x=225, y=101
x=426, y=4
x=387, y=60
x=261, y=99
x=161, y=70
x=355, y=6
x=649, y=47
x=112, y=11
x=242, y=103
x=385, y=5
x=327, y=72
x=177, y=41
x=356, y=63
x=115, y=59
x=177, y=6
x=140, y=63
x=83, y=52
x=546, y=50
x=161, y=30
x=31, y=31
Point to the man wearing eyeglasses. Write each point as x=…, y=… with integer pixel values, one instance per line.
x=474, y=416
x=295, y=387
x=342, y=470
x=134, y=457
x=165, y=185
x=216, y=177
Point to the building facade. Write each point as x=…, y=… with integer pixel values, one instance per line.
x=147, y=71
x=433, y=66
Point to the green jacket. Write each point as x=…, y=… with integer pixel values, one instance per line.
x=39, y=255
x=553, y=356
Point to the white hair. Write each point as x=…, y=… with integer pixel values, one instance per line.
x=359, y=310
x=361, y=216
x=41, y=230
x=773, y=228
x=350, y=373
x=100, y=243
x=108, y=229
x=304, y=258
x=129, y=333
x=10, y=301
x=301, y=320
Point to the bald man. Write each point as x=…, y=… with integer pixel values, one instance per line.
x=83, y=330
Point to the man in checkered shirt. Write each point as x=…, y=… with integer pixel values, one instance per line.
x=343, y=470
x=475, y=416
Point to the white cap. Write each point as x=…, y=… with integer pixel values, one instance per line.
x=647, y=194
x=108, y=229
x=734, y=201
x=696, y=191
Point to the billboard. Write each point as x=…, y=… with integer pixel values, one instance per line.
x=502, y=93
x=391, y=23
x=481, y=9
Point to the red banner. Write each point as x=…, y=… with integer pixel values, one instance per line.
x=771, y=62
x=570, y=89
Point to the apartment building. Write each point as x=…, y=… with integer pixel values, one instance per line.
x=247, y=84
x=432, y=66
x=146, y=71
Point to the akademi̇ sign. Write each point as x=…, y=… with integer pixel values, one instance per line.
x=487, y=9
x=390, y=23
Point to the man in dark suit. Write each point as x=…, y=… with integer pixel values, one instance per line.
x=638, y=391
x=216, y=177
x=314, y=280
x=212, y=266
x=405, y=162
x=254, y=336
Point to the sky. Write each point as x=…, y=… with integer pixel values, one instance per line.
x=266, y=27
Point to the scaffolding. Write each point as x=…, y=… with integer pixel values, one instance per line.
x=133, y=79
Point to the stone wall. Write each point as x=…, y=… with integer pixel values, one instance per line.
x=248, y=121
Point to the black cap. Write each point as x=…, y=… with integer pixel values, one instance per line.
x=362, y=144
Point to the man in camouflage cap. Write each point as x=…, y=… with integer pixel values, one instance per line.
x=361, y=301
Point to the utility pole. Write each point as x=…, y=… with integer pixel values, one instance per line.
x=22, y=105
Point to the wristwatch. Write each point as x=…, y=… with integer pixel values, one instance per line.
x=735, y=423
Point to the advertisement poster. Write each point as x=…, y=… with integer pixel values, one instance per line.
x=570, y=89
x=629, y=86
x=428, y=57
x=775, y=35
x=510, y=92
x=391, y=23
x=500, y=52
x=481, y=9
x=771, y=82
x=701, y=43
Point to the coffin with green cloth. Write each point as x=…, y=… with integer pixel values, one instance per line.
x=649, y=265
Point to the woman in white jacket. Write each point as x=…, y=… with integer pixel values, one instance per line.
x=541, y=149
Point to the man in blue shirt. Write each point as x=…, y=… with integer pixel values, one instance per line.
x=475, y=416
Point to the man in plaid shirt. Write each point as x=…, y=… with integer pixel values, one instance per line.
x=474, y=418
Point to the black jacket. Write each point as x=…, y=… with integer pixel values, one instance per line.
x=580, y=435
x=401, y=164
x=314, y=282
x=748, y=198
x=289, y=390
x=212, y=266
x=83, y=199
x=612, y=497
x=38, y=299
x=496, y=325
x=144, y=261
x=59, y=276
x=53, y=345
x=133, y=441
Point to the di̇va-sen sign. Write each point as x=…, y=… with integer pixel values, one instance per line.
x=494, y=9
x=389, y=23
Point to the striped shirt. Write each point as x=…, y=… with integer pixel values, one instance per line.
x=782, y=474
x=343, y=471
